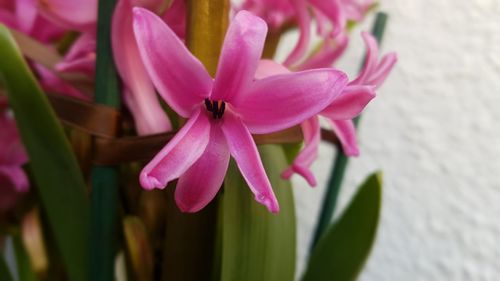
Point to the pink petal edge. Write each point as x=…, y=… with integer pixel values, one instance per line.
x=201, y=182
x=243, y=149
x=179, y=154
x=180, y=78
x=240, y=56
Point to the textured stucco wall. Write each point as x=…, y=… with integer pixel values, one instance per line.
x=434, y=132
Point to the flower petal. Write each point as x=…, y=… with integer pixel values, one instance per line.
x=12, y=152
x=240, y=56
x=149, y=116
x=282, y=101
x=312, y=137
x=269, y=68
x=175, y=17
x=370, y=60
x=140, y=95
x=331, y=50
x=346, y=133
x=244, y=151
x=16, y=176
x=382, y=70
x=80, y=57
x=26, y=14
x=333, y=11
x=304, y=21
x=75, y=14
x=52, y=83
x=200, y=183
x=179, y=77
x=179, y=154
x=350, y=103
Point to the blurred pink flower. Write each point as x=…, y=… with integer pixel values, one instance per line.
x=70, y=14
x=355, y=10
x=80, y=57
x=223, y=112
x=343, y=109
x=278, y=14
x=13, y=180
x=24, y=16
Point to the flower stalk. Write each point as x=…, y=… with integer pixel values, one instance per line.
x=104, y=196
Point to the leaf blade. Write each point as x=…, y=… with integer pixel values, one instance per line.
x=258, y=245
x=354, y=233
x=60, y=184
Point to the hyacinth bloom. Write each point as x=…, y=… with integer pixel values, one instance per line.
x=13, y=180
x=24, y=16
x=278, y=13
x=223, y=112
x=340, y=112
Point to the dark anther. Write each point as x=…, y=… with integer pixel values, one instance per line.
x=221, y=110
x=213, y=106
x=208, y=105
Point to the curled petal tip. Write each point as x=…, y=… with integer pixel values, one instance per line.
x=287, y=174
x=186, y=208
x=149, y=182
x=269, y=201
x=351, y=151
x=138, y=11
x=305, y=173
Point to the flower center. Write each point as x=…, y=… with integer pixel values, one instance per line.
x=216, y=107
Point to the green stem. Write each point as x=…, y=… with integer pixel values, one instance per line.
x=104, y=197
x=340, y=161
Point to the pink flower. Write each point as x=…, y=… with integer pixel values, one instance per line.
x=80, y=57
x=23, y=15
x=139, y=93
x=70, y=14
x=329, y=16
x=355, y=10
x=13, y=180
x=343, y=109
x=223, y=112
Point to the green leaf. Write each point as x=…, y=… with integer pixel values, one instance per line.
x=4, y=270
x=24, y=268
x=343, y=249
x=60, y=184
x=256, y=244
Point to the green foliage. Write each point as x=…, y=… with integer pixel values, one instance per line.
x=343, y=249
x=256, y=244
x=24, y=268
x=4, y=270
x=59, y=182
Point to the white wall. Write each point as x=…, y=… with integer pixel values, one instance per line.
x=434, y=132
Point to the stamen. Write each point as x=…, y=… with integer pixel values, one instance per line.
x=216, y=107
x=221, y=110
x=208, y=105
